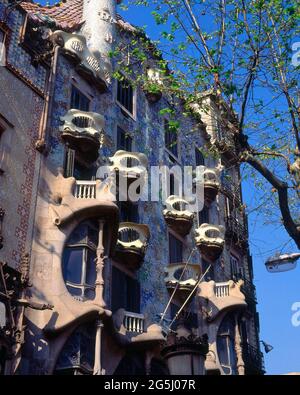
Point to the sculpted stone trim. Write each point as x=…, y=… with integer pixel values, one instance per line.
x=211, y=246
x=68, y=205
x=93, y=65
x=146, y=338
x=189, y=279
x=83, y=131
x=220, y=297
x=176, y=216
x=133, y=165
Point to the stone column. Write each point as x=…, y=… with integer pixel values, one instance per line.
x=100, y=21
x=98, y=360
x=238, y=349
x=100, y=266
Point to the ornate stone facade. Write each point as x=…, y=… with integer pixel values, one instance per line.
x=60, y=211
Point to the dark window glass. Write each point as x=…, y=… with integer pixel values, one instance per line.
x=76, y=167
x=175, y=249
x=82, y=172
x=226, y=345
x=199, y=158
x=125, y=292
x=171, y=139
x=78, y=100
x=125, y=95
x=91, y=268
x=1, y=36
x=203, y=216
x=124, y=140
x=128, y=212
x=73, y=265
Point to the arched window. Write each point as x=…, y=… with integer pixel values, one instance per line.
x=226, y=345
x=78, y=354
x=79, y=261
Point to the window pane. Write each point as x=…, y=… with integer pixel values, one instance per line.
x=72, y=265
x=118, y=290
x=89, y=294
x=75, y=291
x=78, y=100
x=125, y=95
x=133, y=295
x=91, y=268
x=171, y=137
x=124, y=140
x=175, y=249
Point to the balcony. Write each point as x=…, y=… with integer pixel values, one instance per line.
x=253, y=360
x=132, y=244
x=184, y=283
x=210, y=240
x=226, y=142
x=130, y=166
x=231, y=190
x=211, y=183
x=131, y=329
x=220, y=297
x=177, y=216
x=91, y=65
x=237, y=231
x=153, y=86
x=133, y=322
x=83, y=131
x=85, y=189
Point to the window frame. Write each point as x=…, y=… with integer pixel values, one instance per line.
x=198, y=149
x=83, y=94
x=128, y=277
x=85, y=247
x=134, y=98
x=127, y=136
x=182, y=242
x=236, y=262
x=172, y=156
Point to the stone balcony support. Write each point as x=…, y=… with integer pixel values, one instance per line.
x=210, y=240
x=177, y=216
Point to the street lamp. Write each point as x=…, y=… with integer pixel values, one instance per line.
x=267, y=346
x=282, y=263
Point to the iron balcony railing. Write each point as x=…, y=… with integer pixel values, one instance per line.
x=237, y=229
x=248, y=288
x=253, y=359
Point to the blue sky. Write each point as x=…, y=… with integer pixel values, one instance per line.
x=276, y=292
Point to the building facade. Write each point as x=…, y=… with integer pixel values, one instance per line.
x=102, y=284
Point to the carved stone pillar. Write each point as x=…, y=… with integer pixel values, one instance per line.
x=100, y=266
x=239, y=349
x=98, y=360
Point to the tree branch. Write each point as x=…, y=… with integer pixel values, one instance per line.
x=291, y=227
